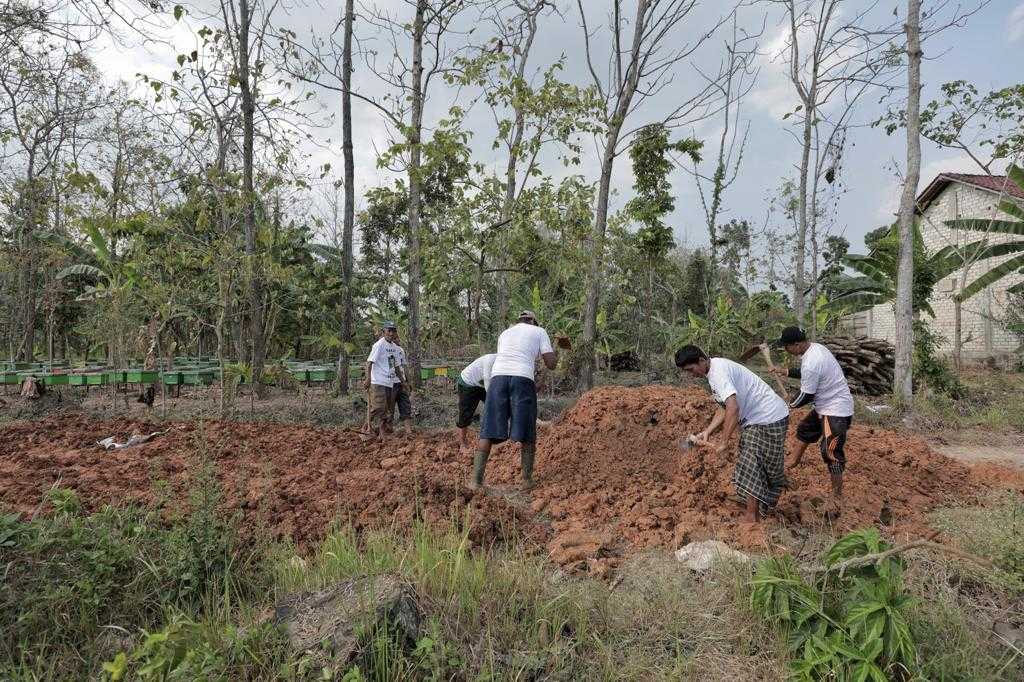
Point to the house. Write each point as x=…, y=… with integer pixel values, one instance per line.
x=947, y=197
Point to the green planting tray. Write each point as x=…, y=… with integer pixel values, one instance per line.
x=197, y=378
x=299, y=373
x=9, y=378
x=56, y=379
x=429, y=372
x=324, y=374
x=116, y=376
x=77, y=379
x=171, y=378
x=142, y=376
x=96, y=379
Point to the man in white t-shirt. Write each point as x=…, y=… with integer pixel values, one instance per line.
x=472, y=387
x=745, y=400
x=510, y=411
x=823, y=383
x=379, y=378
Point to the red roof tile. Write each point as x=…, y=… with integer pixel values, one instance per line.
x=999, y=184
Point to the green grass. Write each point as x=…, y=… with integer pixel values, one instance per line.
x=186, y=598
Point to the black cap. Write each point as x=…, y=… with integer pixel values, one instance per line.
x=791, y=335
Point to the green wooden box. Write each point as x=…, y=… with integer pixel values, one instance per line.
x=322, y=374
x=56, y=379
x=171, y=378
x=141, y=376
x=300, y=373
x=96, y=379
x=77, y=379
x=9, y=378
x=197, y=378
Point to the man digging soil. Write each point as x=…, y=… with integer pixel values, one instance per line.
x=823, y=384
x=745, y=400
x=510, y=411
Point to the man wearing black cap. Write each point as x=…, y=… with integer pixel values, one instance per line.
x=823, y=384
x=510, y=410
x=379, y=378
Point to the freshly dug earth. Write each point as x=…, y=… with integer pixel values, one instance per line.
x=611, y=477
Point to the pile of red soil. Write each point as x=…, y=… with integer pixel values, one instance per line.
x=611, y=477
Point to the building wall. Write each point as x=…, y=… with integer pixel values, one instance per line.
x=983, y=333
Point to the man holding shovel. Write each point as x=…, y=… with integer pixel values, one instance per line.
x=746, y=401
x=823, y=384
x=379, y=378
x=510, y=411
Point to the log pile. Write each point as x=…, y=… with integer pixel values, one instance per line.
x=868, y=363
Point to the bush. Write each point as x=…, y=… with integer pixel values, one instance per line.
x=76, y=584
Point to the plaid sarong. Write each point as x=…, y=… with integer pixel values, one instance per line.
x=761, y=465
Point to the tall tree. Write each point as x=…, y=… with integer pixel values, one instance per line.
x=903, y=386
x=644, y=49
x=831, y=55
x=350, y=195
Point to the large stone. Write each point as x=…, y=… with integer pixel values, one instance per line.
x=334, y=619
x=703, y=555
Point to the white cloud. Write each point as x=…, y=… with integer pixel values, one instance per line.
x=1015, y=24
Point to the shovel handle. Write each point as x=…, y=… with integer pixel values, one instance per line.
x=771, y=365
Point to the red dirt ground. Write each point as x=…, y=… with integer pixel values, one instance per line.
x=611, y=479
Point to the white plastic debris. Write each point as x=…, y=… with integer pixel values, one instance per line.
x=702, y=555
x=137, y=439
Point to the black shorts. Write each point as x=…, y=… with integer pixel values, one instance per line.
x=469, y=398
x=830, y=433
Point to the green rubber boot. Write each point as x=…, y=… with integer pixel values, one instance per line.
x=528, y=452
x=479, y=467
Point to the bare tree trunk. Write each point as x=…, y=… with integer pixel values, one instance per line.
x=350, y=198
x=800, y=252
x=958, y=333
x=595, y=245
x=256, y=331
x=415, y=199
x=903, y=387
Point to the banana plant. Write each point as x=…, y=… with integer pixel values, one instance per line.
x=112, y=275
x=1014, y=248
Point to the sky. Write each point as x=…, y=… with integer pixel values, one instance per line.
x=985, y=51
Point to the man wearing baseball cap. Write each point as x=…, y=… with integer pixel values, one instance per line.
x=510, y=410
x=823, y=384
x=379, y=378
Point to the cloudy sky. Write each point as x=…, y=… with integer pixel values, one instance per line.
x=986, y=51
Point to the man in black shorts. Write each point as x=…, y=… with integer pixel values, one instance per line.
x=823, y=384
x=472, y=387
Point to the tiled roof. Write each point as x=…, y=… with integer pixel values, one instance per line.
x=999, y=184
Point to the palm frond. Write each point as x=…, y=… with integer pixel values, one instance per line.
x=1007, y=267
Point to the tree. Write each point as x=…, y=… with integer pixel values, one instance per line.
x=831, y=56
x=739, y=79
x=350, y=198
x=903, y=380
x=640, y=64
x=653, y=201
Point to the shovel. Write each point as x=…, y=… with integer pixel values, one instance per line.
x=762, y=347
x=688, y=443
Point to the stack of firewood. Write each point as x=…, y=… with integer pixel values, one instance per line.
x=867, y=363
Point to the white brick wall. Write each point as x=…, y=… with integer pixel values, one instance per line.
x=981, y=315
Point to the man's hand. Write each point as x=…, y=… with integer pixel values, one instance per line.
x=366, y=384
x=722, y=448
x=796, y=461
x=780, y=372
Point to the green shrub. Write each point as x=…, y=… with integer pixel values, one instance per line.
x=845, y=625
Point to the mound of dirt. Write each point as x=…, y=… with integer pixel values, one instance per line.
x=611, y=479
x=293, y=480
x=611, y=467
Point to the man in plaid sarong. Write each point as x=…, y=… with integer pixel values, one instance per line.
x=746, y=401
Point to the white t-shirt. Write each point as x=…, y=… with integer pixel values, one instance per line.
x=397, y=360
x=478, y=372
x=757, y=402
x=519, y=346
x=821, y=374
x=383, y=356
